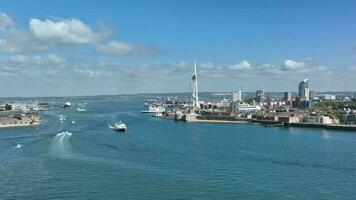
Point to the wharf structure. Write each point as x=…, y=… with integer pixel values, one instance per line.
x=19, y=114
x=20, y=120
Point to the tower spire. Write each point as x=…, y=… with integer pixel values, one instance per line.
x=195, y=86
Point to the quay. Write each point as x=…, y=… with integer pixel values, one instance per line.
x=22, y=120
x=325, y=126
x=196, y=118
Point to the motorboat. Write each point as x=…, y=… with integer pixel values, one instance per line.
x=61, y=118
x=119, y=127
x=81, y=109
x=67, y=104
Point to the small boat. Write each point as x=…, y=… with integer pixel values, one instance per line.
x=67, y=104
x=18, y=146
x=119, y=127
x=81, y=109
x=61, y=118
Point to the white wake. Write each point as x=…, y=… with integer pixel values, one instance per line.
x=60, y=146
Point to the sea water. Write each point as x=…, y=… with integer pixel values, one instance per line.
x=163, y=159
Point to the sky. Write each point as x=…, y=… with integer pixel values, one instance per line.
x=77, y=47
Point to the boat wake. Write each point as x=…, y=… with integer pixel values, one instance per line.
x=60, y=146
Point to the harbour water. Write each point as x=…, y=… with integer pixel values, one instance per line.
x=164, y=159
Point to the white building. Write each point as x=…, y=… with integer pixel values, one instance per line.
x=318, y=119
x=306, y=93
x=236, y=96
x=328, y=97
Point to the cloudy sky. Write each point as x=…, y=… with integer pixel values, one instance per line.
x=57, y=48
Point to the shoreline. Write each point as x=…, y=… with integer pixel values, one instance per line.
x=284, y=125
x=220, y=121
x=19, y=125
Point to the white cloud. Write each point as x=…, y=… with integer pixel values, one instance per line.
x=25, y=60
x=208, y=65
x=55, y=59
x=48, y=34
x=322, y=68
x=243, y=65
x=291, y=65
x=19, y=59
x=123, y=48
x=5, y=21
x=62, y=31
x=2, y=74
x=18, y=42
x=114, y=47
x=353, y=69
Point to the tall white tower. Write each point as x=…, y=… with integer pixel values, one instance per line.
x=195, y=87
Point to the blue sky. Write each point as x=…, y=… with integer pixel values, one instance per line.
x=55, y=48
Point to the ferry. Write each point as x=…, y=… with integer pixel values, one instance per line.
x=158, y=114
x=154, y=109
x=120, y=127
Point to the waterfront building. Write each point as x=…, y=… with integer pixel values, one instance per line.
x=318, y=119
x=236, y=96
x=287, y=96
x=349, y=116
x=288, y=119
x=190, y=117
x=224, y=106
x=301, y=88
x=327, y=97
x=260, y=95
x=195, y=98
x=311, y=95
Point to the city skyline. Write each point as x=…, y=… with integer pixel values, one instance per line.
x=80, y=48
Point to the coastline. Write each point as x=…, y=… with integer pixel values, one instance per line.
x=220, y=121
x=266, y=122
x=19, y=125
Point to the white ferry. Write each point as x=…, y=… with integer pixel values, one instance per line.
x=120, y=127
x=154, y=109
x=158, y=114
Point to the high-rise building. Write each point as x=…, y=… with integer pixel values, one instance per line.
x=195, y=87
x=236, y=96
x=301, y=88
x=311, y=95
x=260, y=95
x=287, y=96
x=306, y=93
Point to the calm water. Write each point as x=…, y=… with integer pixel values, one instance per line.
x=163, y=159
